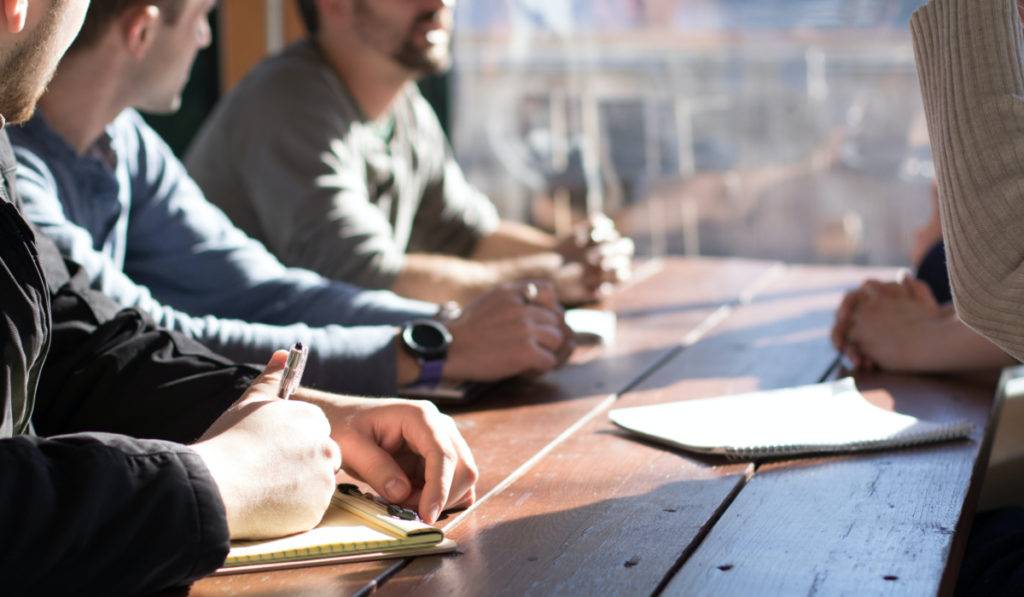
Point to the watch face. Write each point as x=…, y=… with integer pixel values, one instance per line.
x=428, y=339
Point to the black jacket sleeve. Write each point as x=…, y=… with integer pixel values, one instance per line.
x=114, y=371
x=97, y=513
x=104, y=514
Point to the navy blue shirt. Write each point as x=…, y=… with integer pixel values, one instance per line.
x=128, y=212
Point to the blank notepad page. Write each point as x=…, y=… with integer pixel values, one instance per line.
x=828, y=417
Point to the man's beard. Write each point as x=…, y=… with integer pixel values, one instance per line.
x=429, y=60
x=424, y=61
x=27, y=68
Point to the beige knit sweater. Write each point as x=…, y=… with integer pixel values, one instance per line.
x=970, y=59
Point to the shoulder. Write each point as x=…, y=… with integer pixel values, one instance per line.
x=296, y=79
x=39, y=152
x=291, y=102
x=36, y=145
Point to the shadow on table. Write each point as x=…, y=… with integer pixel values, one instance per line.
x=624, y=545
x=601, y=376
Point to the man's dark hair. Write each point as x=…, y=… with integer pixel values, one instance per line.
x=307, y=8
x=102, y=13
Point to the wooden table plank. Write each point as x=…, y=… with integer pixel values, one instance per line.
x=878, y=523
x=512, y=424
x=607, y=514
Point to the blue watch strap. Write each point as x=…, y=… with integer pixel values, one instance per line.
x=430, y=372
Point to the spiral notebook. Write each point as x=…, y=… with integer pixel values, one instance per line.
x=356, y=527
x=821, y=418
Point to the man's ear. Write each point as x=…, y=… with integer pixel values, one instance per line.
x=15, y=15
x=138, y=29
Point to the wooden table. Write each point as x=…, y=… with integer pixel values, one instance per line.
x=570, y=505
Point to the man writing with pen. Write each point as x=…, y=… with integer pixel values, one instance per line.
x=131, y=455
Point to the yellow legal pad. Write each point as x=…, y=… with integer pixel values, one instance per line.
x=355, y=528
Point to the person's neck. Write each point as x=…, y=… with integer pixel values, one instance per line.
x=84, y=97
x=374, y=83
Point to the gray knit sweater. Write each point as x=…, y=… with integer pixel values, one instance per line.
x=970, y=59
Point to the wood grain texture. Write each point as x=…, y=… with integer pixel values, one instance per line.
x=519, y=418
x=604, y=513
x=510, y=425
x=880, y=523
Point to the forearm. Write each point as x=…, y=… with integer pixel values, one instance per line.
x=357, y=359
x=152, y=506
x=949, y=346
x=441, y=278
x=969, y=62
x=513, y=239
x=121, y=374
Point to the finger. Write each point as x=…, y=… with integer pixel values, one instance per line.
x=616, y=262
x=546, y=295
x=921, y=292
x=618, y=248
x=615, y=274
x=539, y=358
x=606, y=272
x=855, y=356
x=334, y=456
x=270, y=378
x=842, y=322
x=439, y=470
x=541, y=315
x=463, y=491
x=592, y=280
x=366, y=460
x=871, y=290
x=566, y=349
x=891, y=289
x=550, y=337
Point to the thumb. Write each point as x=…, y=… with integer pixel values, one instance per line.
x=271, y=376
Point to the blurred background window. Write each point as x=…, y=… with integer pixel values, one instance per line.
x=784, y=129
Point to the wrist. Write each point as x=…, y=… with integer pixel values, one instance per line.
x=925, y=345
x=478, y=277
x=407, y=367
x=220, y=469
x=538, y=266
x=426, y=342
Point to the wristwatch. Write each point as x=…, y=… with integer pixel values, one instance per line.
x=427, y=340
